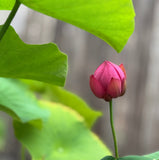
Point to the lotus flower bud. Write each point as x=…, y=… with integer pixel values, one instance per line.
x=108, y=81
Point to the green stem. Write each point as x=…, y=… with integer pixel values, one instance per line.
x=9, y=19
x=22, y=153
x=113, y=130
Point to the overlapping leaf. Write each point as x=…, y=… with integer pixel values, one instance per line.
x=108, y=158
x=153, y=156
x=19, y=103
x=64, y=136
x=112, y=21
x=71, y=100
x=40, y=62
x=134, y=157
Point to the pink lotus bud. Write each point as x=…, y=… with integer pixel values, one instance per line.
x=108, y=81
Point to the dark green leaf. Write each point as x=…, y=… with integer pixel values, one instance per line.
x=40, y=62
x=134, y=157
x=110, y=20
x=108, y=158
x=63, y=137
x=19, y=103
x=153, y=156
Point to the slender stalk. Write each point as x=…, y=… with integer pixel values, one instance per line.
x=113, y=130
x=9, y=19
x=22, y=153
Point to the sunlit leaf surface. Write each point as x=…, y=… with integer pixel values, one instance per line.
x=112, y=21
x=39, y=62
x=63, y=137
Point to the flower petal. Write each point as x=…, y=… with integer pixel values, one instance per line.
x=123, y=87
x=99, y=71
x=108, y=73
x=123, y=69
x=96, y=87
x=118, y=71
x=114, y=88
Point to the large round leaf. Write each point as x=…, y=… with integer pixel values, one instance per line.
x=63, y=137
x=110, y=20
x=39, y=62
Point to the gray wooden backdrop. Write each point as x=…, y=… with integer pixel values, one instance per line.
x=137, y=112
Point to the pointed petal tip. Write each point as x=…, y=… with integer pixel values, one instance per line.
x=123, y=69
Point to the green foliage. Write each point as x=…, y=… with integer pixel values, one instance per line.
x=112, y=21
x=134, y=157
x=19, y=103
x=108, y=158
x=40, y=62
x=6, y=4
x=60, y=95
x=64, y=136
x=153, y=156
x=71, y=100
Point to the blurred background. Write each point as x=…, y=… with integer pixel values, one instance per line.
x=136, y=114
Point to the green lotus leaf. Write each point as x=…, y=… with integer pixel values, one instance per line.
x=64, y=136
